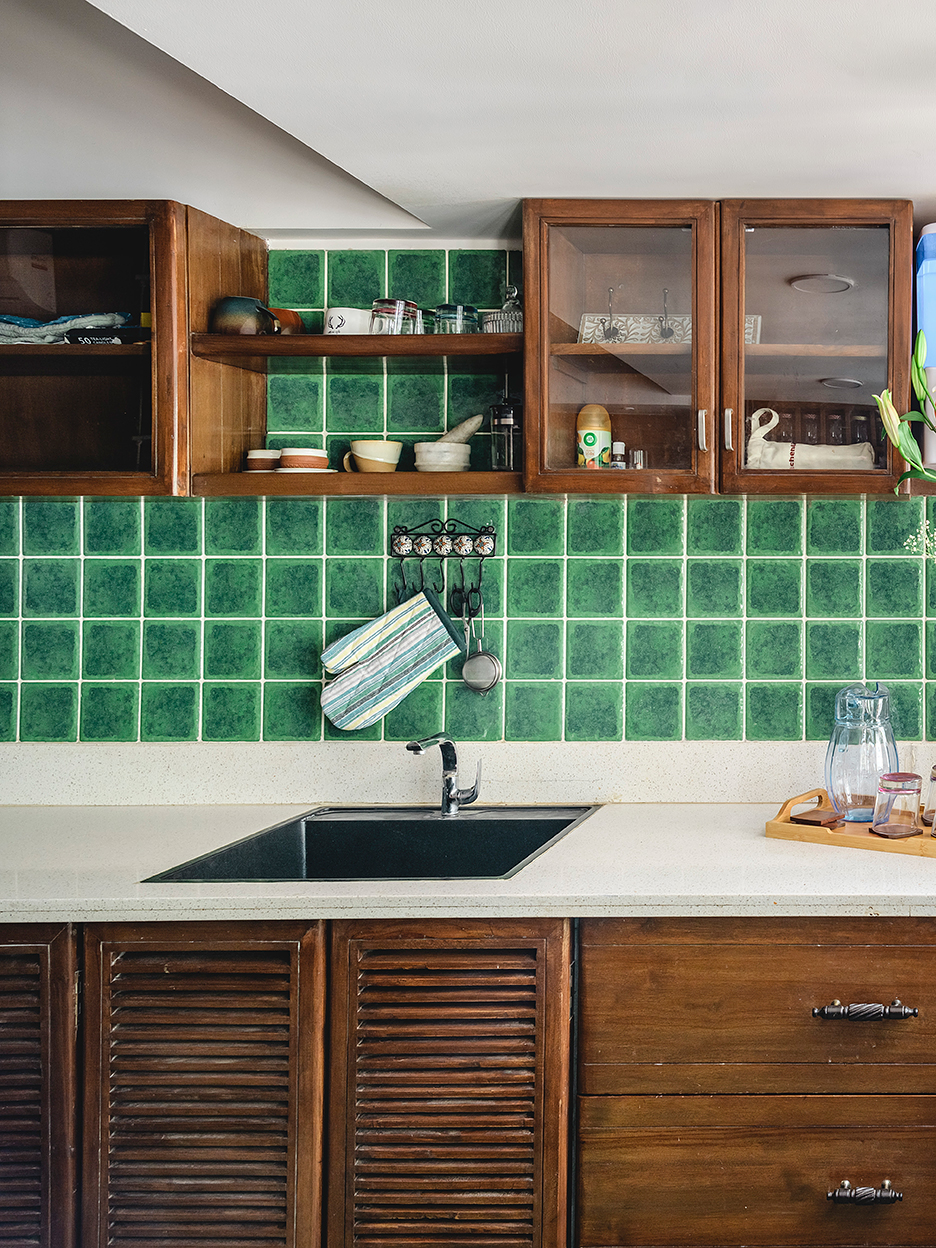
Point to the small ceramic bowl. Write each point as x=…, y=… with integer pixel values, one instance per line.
x=262, y=461
x=303, y=457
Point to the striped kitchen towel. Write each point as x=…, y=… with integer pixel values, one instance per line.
x=385, y=659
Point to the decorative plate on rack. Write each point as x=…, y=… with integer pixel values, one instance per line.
x=642, y=327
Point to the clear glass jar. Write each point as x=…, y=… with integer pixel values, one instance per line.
x=456, y=318
x=897, y=808
x=861, y=750
x=929, y=808
x=393, y=316
x=425, y=321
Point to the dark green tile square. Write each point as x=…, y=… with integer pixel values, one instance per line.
x=594, y=650
x=109, y=712
x=471, y=394
x=294, y=587
x=172, y=526
x=515, y=269
x=890, y=522
x=930, y=672
x=713, y=712
x=478, y=278
x=417, y=275
x=774, y=526
x=9, y=710
x=293, y=649
x=296, y=403
x=773, y=586
x=48, y=712
x=894, y=587
x=410, y=512
x=354, y=404
x=833, y=526
x=297, y=279
x=654, y=650
x=172, y=587
x=833, y=650
x=420, y=714
x=232, y=526
x=654, y=526
x=930, y=699
x=534, y=649
x=9, y=586
x=906, y=702
x=713, y=587
x=773, y=650
x=111, y=651
x=233, y=587
x=291, y=712
x=713, y=526
x=595, y=587
x=893, y=649
x=416, y=404
x=534, y=587
x=653, y=712
x=50, y=586
x=313, y=441
x=294, y=526
x=774, y=712
x=354, y=526
x=112, y=526
x=593, y=711
x=470, y=717
x=713, y=649
x=50, y=526
x=9, y=527
x=478, y=512
x=355, y=278
x=654, y=587
x=50, y=650
x=354, y=587
x=833, y=587
x=111, y=587
x=169, y=712
x=373, y=732
x=535, y=526
x=9, y=649
x=533, y=712
x=231, y=712
x=171, y=650
x=232, y=650
x=595, y=526
x=820, y=710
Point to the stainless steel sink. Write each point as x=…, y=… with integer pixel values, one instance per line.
x=387, y=843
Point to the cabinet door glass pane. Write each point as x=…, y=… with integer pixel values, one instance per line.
x=815, y=346
x=620, y=335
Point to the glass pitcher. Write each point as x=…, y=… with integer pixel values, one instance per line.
x=861, y=749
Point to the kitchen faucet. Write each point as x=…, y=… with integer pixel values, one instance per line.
x=452, y=795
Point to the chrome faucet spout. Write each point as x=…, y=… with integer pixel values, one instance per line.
x=452, y=795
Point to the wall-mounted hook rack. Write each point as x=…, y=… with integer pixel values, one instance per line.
x=444, y=539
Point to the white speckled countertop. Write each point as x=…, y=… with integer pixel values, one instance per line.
x=85, y=863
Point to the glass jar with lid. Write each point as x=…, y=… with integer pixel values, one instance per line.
x=456, y=318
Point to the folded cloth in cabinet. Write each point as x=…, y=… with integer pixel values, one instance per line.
x=385, y=659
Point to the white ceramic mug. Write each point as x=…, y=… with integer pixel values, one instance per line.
x=367, y=456
x=347, y=321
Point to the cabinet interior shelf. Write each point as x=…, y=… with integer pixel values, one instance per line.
x=685, y=348
x=11, y=349
x=229, y=484
x=234, y=347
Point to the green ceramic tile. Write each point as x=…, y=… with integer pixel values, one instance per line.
x=171, y=650
x=471, y=394
x=654, y=587
x=478, y=278
x=773, y=586
x=891, y=522
x=294, y=526
x=654, y=650
x=109, y=712
x=172, y=587
x=533, y=712
x=417, y=275
x=472, y=717
x=416, y=403
x=593, y=711
x=420, y=714
x=172, y=526
x=594, y=650
x=50, y=650
x=930, y=699
x=535, y=526
x=833, y=526
x=515, y=269
x=906, y=701
x=291, y=712
x=595, y=526
x=297, y=279
x=293, y=649
x=534, y=649
x=112, y=526
x=231, y=712
x=820, y=710
x=9, y=527
x=774, y=526
x=833, y=587
x=294, y=587
x=169, y=712
x=653, y=712
x=9, y=710
x=774, y=712
x=111, y=587
x=48, y=712
x=50, y=526
x=833, y=651
x=713, y=526
x=773, y=649
x=894, y=588
x=354, y=526
x=713, y=649
x=355, y=278
x=478, y=512
x=9, y=649
x=594, y=587
x=111, y=650
x=410, y=512
x=296, y=403
x=713, y=587
x=9, y=586
x=893, y=650
x=308, y=441
x=331, y=732
x=354, y=587
x=713, y=712
x=232, y=526
x=232, y=650
x=654, y=526
x=534, y=587
x=50, y=586
x=233, y=587
x=930, y=671
x=354, y=404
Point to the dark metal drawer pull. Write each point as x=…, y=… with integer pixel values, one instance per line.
x=862, y=1013
x=846, y=1194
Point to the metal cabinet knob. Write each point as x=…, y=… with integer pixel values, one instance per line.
x=700, y=428
x=729, y=436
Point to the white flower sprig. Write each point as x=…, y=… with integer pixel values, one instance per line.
x=922, y=542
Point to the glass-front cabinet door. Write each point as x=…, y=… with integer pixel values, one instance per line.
x=620, y=349
x=815, y=322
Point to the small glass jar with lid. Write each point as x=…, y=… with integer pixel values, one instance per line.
x=897, y=808
x=456, y=318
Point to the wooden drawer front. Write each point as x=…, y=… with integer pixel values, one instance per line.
x=683, y=1008
x=754, y=1170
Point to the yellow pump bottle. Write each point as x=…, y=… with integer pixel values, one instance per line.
x=593, y=437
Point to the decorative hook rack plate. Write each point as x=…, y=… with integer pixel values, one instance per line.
x=443, y=539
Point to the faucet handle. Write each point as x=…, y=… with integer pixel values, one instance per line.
x=467, y=796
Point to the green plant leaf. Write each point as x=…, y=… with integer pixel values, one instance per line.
x=919, y=351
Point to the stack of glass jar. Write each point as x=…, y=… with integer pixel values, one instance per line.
x=402, y=316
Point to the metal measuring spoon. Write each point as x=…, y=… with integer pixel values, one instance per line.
x=482, y=670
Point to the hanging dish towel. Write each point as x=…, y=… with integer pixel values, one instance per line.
x=384, y=660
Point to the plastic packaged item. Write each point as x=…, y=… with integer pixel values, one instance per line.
x=618, y=455
x=861, y=749
x=593, y=437
x=897, y=807
x=926, y=321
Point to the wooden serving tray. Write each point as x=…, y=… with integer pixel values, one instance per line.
x=852, y=835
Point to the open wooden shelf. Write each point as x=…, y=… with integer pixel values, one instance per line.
x=230, y=348
x=229, y=484
x=12, y=349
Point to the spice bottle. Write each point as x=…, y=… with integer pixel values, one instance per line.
x=593, y=437
x=618, y=455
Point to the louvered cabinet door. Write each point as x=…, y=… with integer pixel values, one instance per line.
x=204, y=1073
x=37, y=1085
x=449, y=1059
